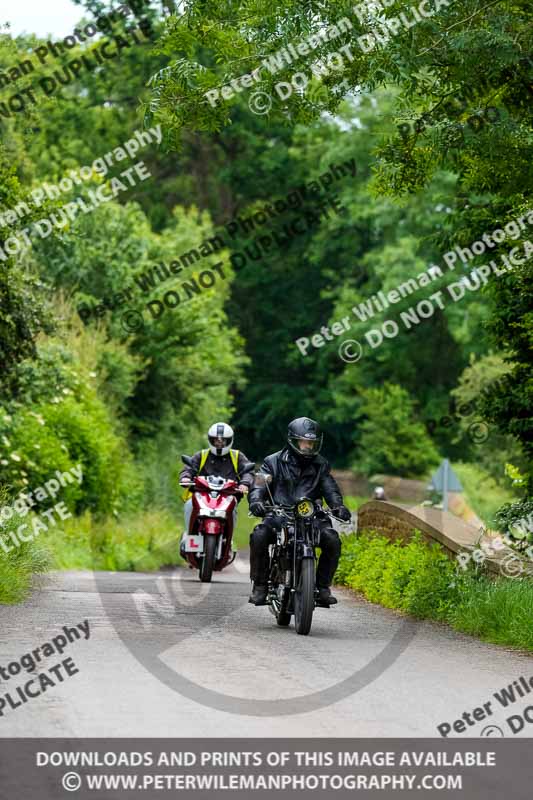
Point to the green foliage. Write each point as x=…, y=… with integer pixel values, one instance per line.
x=421, y=580
x=60, y=435
x=32, y=452
x=244, y=527
x=484, y=493
x=93, y=392
x=18, y=565
x=21, y=318
x=159, y=463
x=516, y=476
x=516, y=520
x=476, y=381
x=392, y=440
x=416, y=577
x=60, y=420
x=22, y=311
x=497, y=611
x=97, y=255
x=446, y=72
x=509, y=404
x=87, y=429
x=169, y=376
x=138, y=543
x=478, y=376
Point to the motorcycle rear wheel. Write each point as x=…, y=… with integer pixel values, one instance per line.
x=279, y=608
x=304, y=597
x=208, y=559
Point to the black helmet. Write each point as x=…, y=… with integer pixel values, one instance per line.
x=307, y=431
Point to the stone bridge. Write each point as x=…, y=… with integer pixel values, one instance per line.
x=456, y=536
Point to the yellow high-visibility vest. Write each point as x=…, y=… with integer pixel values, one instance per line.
x=234, y=455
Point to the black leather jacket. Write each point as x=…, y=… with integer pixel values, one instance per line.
x=293, y=478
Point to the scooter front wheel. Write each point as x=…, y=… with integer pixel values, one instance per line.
x=208, y=559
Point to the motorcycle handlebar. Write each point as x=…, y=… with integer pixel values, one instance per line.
x=223, y=489
x=285, y=508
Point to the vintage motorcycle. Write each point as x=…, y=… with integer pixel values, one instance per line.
x=208, y=543
x=292, y=567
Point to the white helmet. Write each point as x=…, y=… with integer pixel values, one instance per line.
x=220, y=438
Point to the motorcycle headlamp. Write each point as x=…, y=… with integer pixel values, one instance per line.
x=305, y=507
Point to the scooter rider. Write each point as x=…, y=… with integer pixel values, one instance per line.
x=218, y=459
x=298, y=470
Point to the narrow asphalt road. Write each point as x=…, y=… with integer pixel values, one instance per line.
x=169, y=656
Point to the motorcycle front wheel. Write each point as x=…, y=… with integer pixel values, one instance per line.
x=208, y=559
x=304, y=597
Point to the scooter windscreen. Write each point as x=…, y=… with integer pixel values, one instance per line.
x=215, y=481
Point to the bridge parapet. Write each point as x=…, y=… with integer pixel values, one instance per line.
x=397, y=522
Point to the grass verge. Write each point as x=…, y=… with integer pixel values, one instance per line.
x=419, y=579
x=19, y=565
x=139, y=543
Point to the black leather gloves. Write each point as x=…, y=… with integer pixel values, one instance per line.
x=258, y=509
x=342, y=513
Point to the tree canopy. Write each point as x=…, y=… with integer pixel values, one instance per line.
x=424, y=134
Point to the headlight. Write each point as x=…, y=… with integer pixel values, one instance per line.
x=305, y=507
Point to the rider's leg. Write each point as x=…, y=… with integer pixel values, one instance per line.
x=330, y=545
x=262, y=535
x=187, y=511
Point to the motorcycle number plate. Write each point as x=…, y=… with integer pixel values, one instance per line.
x=194, y=544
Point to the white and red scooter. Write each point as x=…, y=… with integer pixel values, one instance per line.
x=207, y=545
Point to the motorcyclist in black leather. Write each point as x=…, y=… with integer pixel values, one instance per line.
x=297, y=471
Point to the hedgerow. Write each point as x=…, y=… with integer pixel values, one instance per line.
x=420, y=579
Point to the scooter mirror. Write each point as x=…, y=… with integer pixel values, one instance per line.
x=187, y=460
x=249, y=467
